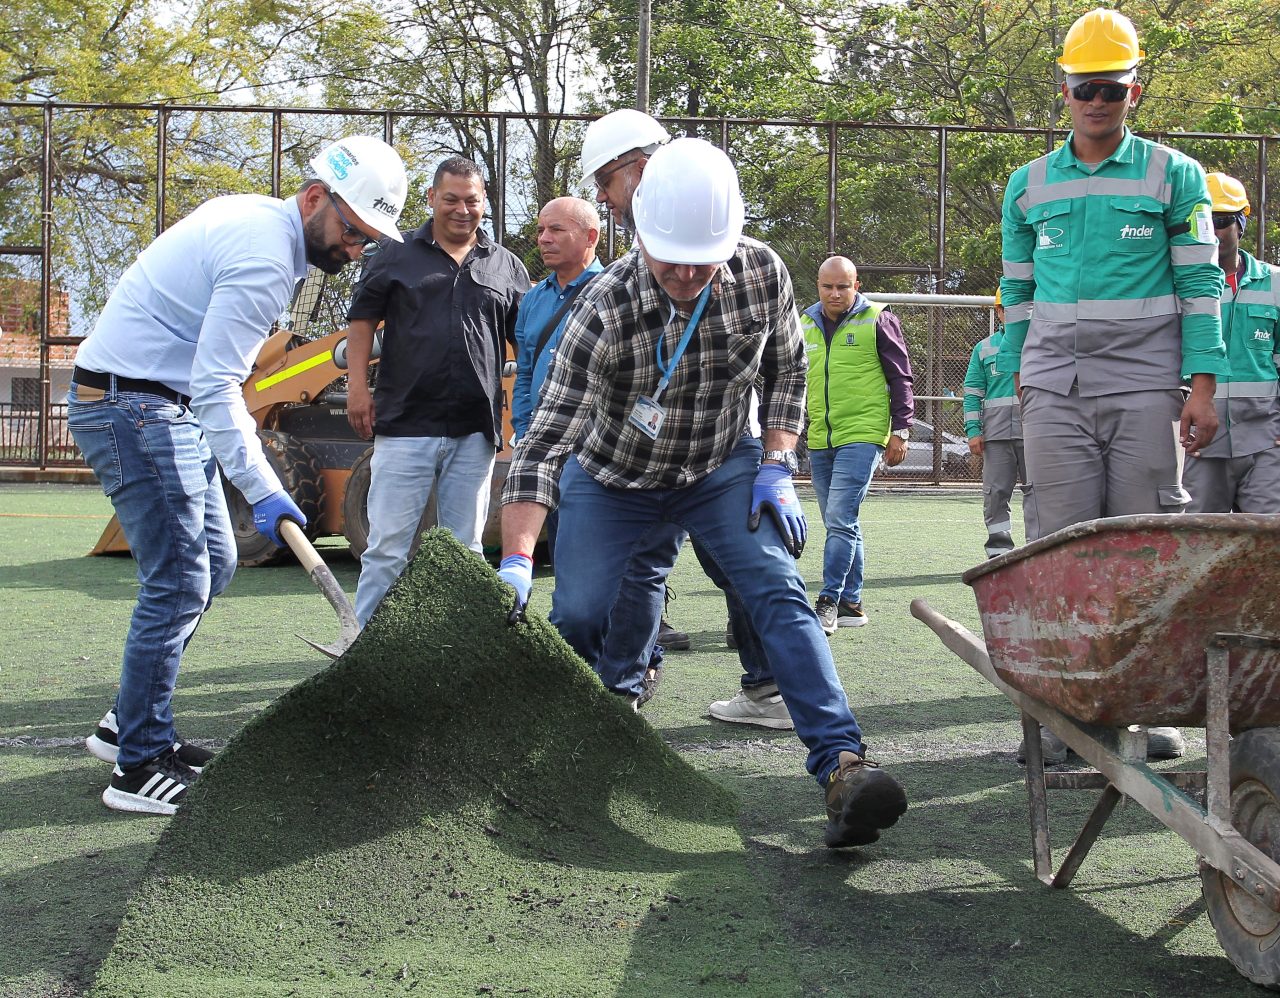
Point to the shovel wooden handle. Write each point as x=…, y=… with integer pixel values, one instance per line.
x=292, y=535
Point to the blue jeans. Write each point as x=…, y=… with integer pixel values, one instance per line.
x=602, y=528
x=841, y=477
x=751, y=655
x=155, y=466
x=403, y=472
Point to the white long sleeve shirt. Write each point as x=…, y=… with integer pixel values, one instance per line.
x=193, y=311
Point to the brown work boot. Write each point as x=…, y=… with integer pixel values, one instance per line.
x=861, y=799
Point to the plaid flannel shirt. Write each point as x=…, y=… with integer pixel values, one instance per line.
x=607, y=359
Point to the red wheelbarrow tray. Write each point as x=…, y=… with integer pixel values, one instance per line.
x=1108, y=620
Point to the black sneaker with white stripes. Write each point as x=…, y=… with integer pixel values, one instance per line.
x=156, y=787
x=104, y=744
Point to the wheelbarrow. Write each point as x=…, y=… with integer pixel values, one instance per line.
x=1107, y=627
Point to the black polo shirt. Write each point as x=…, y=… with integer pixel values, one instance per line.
x=440, y=374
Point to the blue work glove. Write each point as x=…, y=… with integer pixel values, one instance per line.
x=268, y=512
x=516, y=570
x=775, y=493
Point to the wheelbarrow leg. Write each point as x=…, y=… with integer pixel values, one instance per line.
x=1088, y=835
x=1037, y=799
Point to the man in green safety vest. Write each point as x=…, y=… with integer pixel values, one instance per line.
x=860, y=405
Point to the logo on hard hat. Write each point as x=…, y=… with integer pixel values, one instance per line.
x=341, y=161
x=386, y=207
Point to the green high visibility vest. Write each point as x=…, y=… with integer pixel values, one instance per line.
x=848, y=394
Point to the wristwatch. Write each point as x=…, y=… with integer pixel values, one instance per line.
x=787, y=458
x=904, y=434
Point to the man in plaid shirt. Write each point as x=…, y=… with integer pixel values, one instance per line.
x=645, y=410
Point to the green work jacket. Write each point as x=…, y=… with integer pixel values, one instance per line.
x=848, y=396
x=1111, y=280
x=991, y=408
x=1246, y=399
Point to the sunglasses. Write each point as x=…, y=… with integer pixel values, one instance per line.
x=350, y=235
x=1224, y=221
x=1111, y=92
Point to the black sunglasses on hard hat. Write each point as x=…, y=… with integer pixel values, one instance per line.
x=350, y=235
x=1111, y=92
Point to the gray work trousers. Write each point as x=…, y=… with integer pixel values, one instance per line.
x=1248, y=484
x=1109, y=455
x=1003, y=467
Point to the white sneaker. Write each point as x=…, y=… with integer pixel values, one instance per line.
x=763, y=708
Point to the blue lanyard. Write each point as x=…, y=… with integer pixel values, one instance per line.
x=667, y=368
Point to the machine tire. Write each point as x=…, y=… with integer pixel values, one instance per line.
x=1248, y=931
x=299, y=473
x=355, y=508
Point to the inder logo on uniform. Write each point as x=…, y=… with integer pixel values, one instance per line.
x=1143, y=232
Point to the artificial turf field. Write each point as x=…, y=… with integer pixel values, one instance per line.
x=501, y=831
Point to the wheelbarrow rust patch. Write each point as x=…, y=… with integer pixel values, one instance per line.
x=1108, y=620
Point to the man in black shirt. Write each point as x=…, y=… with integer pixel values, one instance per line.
x=448, y=296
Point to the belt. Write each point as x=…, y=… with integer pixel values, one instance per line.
x=96, y=379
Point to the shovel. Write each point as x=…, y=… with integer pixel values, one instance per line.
x=327, y=584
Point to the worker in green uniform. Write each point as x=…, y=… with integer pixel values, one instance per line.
x=1111, y=290
x=1240, y=470
x=993, y=425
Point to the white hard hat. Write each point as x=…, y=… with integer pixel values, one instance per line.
x=616, y=133
x=688, y=207
x=369, y=175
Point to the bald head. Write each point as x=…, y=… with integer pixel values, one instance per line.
x=837, y=285
x=568, y=231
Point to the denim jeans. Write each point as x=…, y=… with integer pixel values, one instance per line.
x=154, y=464
x=841, y=477
x=755, y=663
x=602, y=528
x=403, y=472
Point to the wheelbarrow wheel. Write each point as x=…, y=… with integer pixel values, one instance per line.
x=1248, y=930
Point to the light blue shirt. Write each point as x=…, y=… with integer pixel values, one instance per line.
x=193, y=311
x=537, y=307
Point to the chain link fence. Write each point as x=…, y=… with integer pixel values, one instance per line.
x=917, y=208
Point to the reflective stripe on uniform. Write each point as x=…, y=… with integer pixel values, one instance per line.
x=1246, y=389
x=1108, y=308
x=1185, y=256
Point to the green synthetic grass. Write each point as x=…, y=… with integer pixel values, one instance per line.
x=455, y=804
x=945, y=903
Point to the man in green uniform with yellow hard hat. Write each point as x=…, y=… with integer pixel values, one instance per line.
x=1111, y=290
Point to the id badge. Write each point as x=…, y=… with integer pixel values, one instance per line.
x=647, y=417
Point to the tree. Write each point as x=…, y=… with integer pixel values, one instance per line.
x=103, y=162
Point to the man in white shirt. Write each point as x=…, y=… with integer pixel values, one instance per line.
x=155, y=406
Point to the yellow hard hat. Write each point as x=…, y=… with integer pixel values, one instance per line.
x=997, y=303
x=1227, y=194
x=1101, y=41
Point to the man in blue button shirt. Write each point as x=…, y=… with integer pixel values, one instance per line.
x=156, y=405
x=568, y=232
